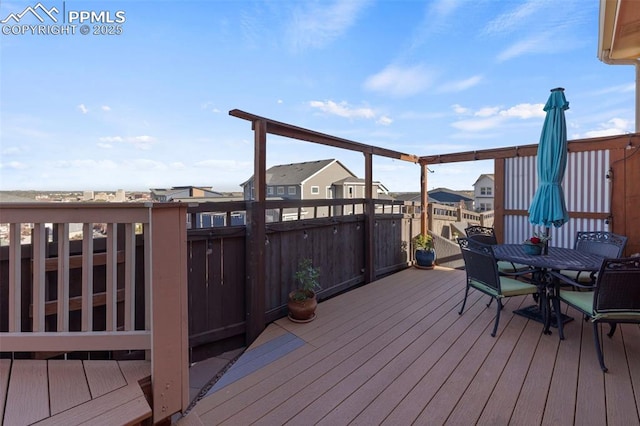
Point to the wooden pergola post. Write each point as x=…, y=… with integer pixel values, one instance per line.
x=256, y=234
x=369, y=220
x=424, y=197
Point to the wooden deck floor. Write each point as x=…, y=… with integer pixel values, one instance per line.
x=72, y=392
x=396, y=352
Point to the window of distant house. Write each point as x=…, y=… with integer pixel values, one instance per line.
x=485, y=207
x=329, y=192
x=350, y=191
x=281, y=190
x=315, y=190
x=485, y=190
x=269, y=190
x=291, y=190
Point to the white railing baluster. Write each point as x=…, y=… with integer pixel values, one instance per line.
x=130, y=277
x=39, y=244
x=15, y=278
x=112, y=276
x=87, y=277
x=63, y=276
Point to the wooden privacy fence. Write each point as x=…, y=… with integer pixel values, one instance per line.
x=66, y=296
x=332, y=238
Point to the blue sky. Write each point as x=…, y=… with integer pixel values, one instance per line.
x=148, y=108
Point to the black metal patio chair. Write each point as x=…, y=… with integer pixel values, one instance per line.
x=614, y=299
x=487, y=235
x=605, y=244
x=483, y=275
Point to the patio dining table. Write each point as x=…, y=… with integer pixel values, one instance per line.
x=557, y=259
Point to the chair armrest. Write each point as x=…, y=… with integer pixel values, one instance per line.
x=564, y=279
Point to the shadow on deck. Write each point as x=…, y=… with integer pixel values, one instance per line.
x=397, y=352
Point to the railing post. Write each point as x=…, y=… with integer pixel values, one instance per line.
x=169, y=316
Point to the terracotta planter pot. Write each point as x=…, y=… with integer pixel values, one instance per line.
x=302, y=310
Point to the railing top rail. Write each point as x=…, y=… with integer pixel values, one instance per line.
x=51, y=212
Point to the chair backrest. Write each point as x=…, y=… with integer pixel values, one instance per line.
x=480, y=263
x=618, y=286
x=605, y=244
x=482, y=234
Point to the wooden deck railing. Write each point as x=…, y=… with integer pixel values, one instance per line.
x=43, y=314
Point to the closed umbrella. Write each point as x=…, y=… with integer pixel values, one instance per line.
x=548, y=205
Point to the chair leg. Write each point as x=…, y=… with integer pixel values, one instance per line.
x=612, y=330
x=596, y=339
x=490, y=300
x=495, y=326
x=464, y=302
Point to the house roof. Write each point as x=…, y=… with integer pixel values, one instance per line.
x=490, y=176
x=296, y=173
x=438, y=195
x=445, y=195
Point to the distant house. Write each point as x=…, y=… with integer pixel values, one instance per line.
x=321, y=179
x=444, y=196
x=178, y=193
x=484, y=192
x=195, y=194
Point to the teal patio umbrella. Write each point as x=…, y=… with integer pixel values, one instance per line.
x=548, y=206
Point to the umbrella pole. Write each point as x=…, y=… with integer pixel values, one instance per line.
x=546, y=241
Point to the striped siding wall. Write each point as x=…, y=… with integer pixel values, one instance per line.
x=586, y=191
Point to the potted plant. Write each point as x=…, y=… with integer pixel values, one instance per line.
x=536, y=244
x=424, y=252
x=302, y=301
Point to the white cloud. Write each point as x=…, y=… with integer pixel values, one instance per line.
x=513, y=19
x=85, y=164
x=106, y=108
x=225, y=165
x=459, y=86
x=384, y=120
x=524, y=111
x=16, y=165
x=83, y=109
x=492, y=117
x=108, y=139
x=401, y=82
x=615, y=126
x=144, y=164
x=478, y=124
x=535, y=44
x=318, y=24
x=11, y=150
x=104, y=145
x=141, y=142
x=459, y=109
x=343, y=109
x=487, y=111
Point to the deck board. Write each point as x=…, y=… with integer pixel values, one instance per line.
x=67, y=385
x=125, y=405
x=58, y=392
x=5, y=369
x=28, y=395
x=396, y=352
x=103, y=377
